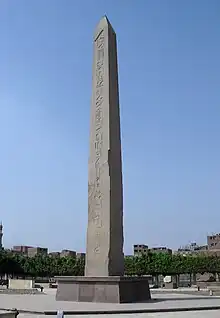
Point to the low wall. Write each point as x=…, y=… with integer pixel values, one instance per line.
x=21, y=284
x=209, y=285
x=17, y=291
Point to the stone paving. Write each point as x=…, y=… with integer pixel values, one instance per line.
x=41, y=303
x=195, y=314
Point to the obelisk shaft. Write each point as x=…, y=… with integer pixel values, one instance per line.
x=104, y=280
x=104, y=253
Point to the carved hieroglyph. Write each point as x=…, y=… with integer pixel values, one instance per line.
x=95, y=193
x=102, y=252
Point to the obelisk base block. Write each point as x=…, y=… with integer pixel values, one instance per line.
x=112, y=289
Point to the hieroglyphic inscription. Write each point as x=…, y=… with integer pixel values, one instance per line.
x=96, y=193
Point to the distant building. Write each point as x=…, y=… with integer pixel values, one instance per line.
x=211, y=252
x=54, y=254
x=33, y=251
x=191, y=249
x=201, y=248
x=81, y=255
x=23, y=249
x=213, y=241
x=65, y=253
x=212, y=247
x=161, y=249
x=140, y=249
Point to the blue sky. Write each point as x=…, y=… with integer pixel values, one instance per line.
x=169, y=72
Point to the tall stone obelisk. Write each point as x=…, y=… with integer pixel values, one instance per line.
x=104, y=253
x=104, y=269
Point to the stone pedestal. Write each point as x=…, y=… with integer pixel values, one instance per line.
x=170, y=285
x=170, y=282
x=112, y=289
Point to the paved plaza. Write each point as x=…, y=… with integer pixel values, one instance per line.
x=47, y=302
x=195, y=314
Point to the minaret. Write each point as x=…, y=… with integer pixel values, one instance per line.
x=1, y=235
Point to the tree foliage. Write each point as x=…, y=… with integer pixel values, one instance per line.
x=151, y=264
x=40, y=265
x=165, y=264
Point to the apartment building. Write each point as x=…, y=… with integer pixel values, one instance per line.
x=33, y=251
x=65, y=253
x=161, y=249
x=213, y=241
x=22, y=249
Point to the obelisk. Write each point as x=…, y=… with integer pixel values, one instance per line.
x=104, y=253
x=104, y=279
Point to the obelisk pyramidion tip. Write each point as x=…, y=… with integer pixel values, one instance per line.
x=103, y=23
